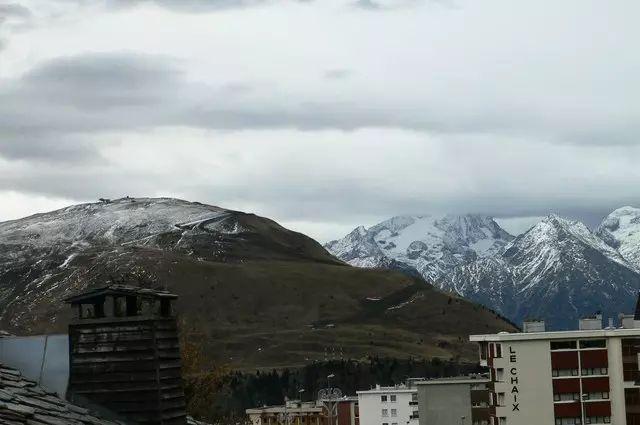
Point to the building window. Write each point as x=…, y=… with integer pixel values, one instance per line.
x=392, y=398
x=394, y=413
x=598, y=395
x=500, y=399
x=502, y=421
x=568, y=421
x=566, y=396
x=499, y=374
x=597, y=420
x=383, y=398
x=385, y=413
x=595, y=371
x=414, y=397
x=564, y=372
x=498, y=350
x=415, y=415
x=563, y=345
x=593, y=343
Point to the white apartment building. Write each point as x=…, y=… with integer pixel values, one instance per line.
x=397, y=405
x=585, y=376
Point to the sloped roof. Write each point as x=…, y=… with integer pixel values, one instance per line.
x=24, y=402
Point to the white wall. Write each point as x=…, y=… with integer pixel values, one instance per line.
x=371, y=406
x=532, y=367
x=616, y=382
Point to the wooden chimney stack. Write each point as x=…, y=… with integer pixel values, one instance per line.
x=125, y=356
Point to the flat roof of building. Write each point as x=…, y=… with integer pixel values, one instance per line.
x=282, y=409
x=387, y=390
x=456, y=380
x=531, y=336
x=119, y=290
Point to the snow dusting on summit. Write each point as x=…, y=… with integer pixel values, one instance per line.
x=432, y=245
x=621, y=230
x=118, y=221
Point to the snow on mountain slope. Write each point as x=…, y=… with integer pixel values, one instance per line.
x=114, y=222
x=558, y=270
x=432, y=245
x=45, y=256
x=621, y=230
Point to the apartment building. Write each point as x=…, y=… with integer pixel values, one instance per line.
x=397, y=405
x=296, y=412
x=460, y=400
x=584, y=376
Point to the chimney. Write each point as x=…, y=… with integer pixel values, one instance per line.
x=627, y=321
x=533, y=326
x=590, y=323
x=124, y=354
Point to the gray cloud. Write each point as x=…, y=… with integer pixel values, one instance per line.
x=477, y=109
x=66, y=98
x=367, y=4
x=11, y=14
x=195, y=6
x=14, y=10
x=337, y=74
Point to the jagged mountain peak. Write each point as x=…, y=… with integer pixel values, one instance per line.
x=558, y=269
x=621, y=231
x=556, y=238
x=430, y=244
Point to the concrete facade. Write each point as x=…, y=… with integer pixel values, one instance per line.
x=389, y=406
x=587, y=376
x=455, y=401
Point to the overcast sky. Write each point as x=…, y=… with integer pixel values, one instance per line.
x=323, y=114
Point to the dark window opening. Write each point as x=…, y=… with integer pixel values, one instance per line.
x=132, y=306
x=593, y=343
x=165, y=308
x=563, y=345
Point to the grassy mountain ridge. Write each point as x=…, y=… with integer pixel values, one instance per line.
x=255, y=295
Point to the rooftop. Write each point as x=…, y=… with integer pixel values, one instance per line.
x=119, y=290
x=23, y=402
x=394, y=389
x=471, y=379
x=526, y=336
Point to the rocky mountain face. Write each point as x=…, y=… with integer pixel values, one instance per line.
x=558, y=270
x=251, y=293
x=431, y=245
x=621, y=230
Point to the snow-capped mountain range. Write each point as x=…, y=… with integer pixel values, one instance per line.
x=431, y=245
x=558, y=270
